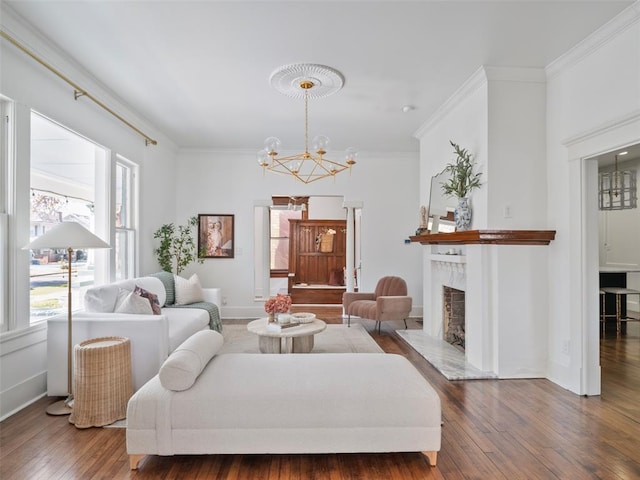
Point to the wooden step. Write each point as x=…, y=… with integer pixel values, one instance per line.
x=320, y=295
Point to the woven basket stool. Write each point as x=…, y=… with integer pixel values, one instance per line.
x=103, y=382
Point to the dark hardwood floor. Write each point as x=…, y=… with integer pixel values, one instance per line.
x=492, y=429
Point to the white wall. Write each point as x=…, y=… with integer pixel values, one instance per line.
x=589, y=111
x=498, y=114
x=231, y=182
x=516, y=174
x=327, y=208
x=31, y=86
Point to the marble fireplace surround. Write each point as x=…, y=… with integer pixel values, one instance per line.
x=506, y=297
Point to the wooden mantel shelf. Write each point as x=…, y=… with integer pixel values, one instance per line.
x=495, y=237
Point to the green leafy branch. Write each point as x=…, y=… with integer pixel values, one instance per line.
x=462, y=179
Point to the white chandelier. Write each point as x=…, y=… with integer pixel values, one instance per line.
x=305, y=80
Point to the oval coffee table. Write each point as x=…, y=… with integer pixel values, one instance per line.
x=298, y=339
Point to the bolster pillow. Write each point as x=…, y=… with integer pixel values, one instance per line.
x=181, y=369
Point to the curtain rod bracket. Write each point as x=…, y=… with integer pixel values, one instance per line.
x=77, y=94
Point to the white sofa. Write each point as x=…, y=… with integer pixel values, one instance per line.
x=153, y=337
x=244, y=403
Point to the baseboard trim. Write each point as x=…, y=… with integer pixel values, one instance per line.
x=22, y=395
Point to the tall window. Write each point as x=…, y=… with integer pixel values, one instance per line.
x=284, y=209
x=63, y=181
x=125, y=219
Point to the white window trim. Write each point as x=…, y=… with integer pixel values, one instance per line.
x=133, y=209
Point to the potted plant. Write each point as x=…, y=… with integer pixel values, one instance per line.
x=177, y=246
x=461, y=181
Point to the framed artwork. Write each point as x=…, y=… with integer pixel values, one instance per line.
x=215, y=236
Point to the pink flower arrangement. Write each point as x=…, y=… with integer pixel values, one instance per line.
x=278, y=304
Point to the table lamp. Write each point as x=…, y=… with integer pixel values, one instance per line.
x=67, y=235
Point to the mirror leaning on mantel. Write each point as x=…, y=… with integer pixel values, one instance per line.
x=441, y=206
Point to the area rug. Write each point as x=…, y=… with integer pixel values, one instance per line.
x=335, y=339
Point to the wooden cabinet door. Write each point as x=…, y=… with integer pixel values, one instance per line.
x=316, y=248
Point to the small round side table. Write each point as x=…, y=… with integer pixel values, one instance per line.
x=103, y=381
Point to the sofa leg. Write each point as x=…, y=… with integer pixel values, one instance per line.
x=134, y=461
x=349, y=321
x=432, y=456
x=405, y=324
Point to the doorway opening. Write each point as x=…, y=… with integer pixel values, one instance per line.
x=320, y=244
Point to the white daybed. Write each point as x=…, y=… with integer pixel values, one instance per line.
x=300, y=403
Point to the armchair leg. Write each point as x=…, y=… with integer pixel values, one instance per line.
x=405, y=324
x=349, y=321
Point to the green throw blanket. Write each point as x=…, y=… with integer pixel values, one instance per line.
x=212, y=308
x=169, y=285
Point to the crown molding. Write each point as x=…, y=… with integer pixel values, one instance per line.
x=473, y=83
x=618, y=24
x=480, y=78
x=626, y=120
x=516, y=74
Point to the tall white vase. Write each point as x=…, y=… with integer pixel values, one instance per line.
x=462, y=214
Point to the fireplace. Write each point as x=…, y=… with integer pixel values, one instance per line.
x=453, y=308
x=505, y=296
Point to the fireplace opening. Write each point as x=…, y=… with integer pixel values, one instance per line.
x=453, y=316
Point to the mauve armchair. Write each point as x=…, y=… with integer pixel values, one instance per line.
x=388, y=302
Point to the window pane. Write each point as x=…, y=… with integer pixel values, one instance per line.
x=125, y=218
x=124, y=254
x=280, y=222
x=123, y=183
x=49, y=267
x=279, y=254
x=62, y=189
x=280, y=237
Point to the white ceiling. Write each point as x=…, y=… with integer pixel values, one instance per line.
x=199, y=71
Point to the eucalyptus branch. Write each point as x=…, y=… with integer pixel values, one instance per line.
x=462, y=179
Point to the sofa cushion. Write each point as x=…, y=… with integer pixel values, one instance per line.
x=184, y=365
x=101, y=299
x=188, y=290
x=151, y=297
x=153, y=285
x=131, y=302
x=183, y=322
x=212, y=309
